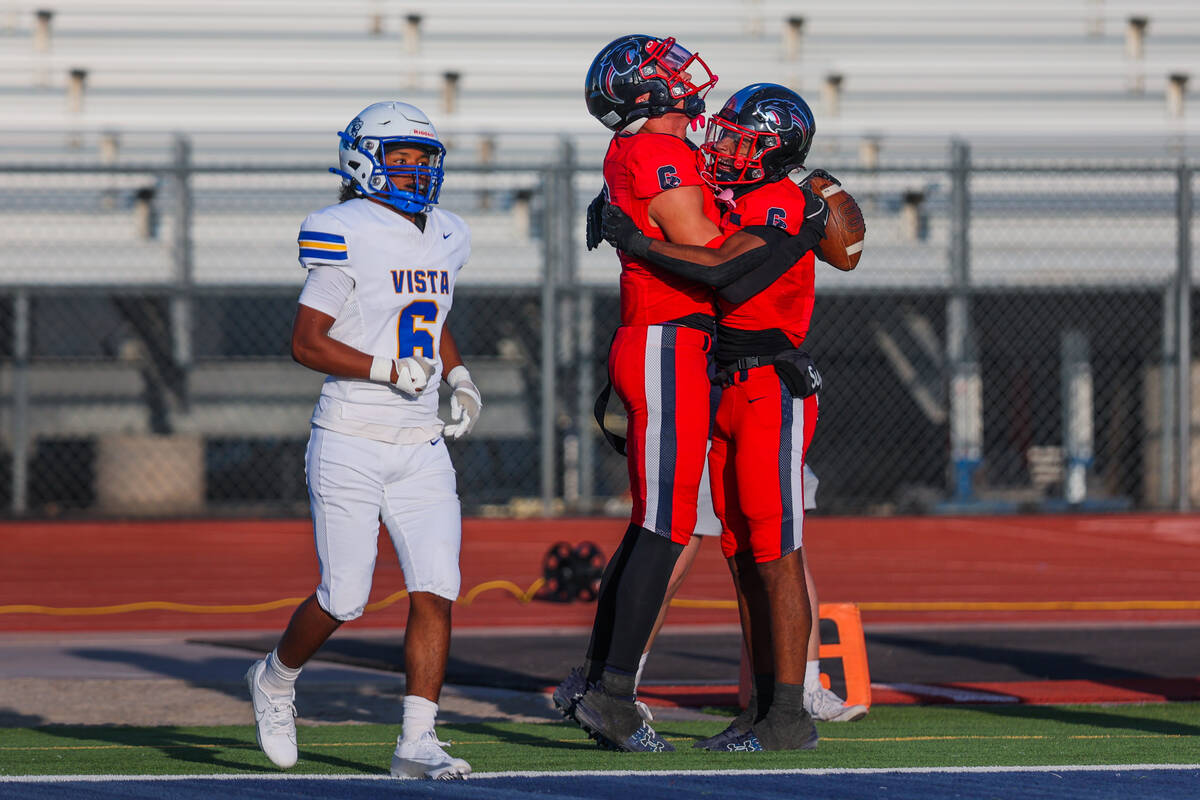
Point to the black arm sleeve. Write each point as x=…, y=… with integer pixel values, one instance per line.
x=784, y=252
x=719, y=275
x=776, y=244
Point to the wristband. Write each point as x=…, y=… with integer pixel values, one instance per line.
x=381, y=369
x=458, y=375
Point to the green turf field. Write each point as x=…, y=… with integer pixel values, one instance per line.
x=893, y=736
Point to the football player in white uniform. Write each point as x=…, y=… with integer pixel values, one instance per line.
x=382, y=265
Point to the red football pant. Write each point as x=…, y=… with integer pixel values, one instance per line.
x=660, y=372
x=757, y=465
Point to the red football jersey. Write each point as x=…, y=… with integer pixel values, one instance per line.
x=787, y=303
x=637, y=168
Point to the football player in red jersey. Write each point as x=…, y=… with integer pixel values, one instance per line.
x=768, y=410
x=649, y=91
x=642, y=88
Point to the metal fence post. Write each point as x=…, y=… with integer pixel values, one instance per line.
x=1166, y=383
x=183, y=256
x=966, y=386
x=586, y=392
x=570, y=331
x=20, y=408
x=1183, y=329
x=550, y=255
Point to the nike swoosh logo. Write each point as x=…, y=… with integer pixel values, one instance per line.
x=435, y=441
x=447, y=235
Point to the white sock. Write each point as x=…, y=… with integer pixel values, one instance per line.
x=812, y=676
x=278, y=678
x=637, y=679
x=419, y=716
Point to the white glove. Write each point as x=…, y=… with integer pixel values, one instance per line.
x=465, y=403
x=413, y=373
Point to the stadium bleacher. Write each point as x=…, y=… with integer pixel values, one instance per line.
x=266, y=82
x=932, y=68
x=100, y=94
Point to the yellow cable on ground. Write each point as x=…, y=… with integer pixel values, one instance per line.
x=150, y=605
x=1051, y=605
x=526, y=596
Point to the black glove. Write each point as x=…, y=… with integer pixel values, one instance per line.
x=816, y=210
x=593, y=236
x=622, y=233
x=812, y=230
x=819, y=173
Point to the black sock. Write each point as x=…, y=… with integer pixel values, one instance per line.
x=619, y=684
x=788, y=699
x=606, y=598
x=787, y=726
x=762, y=691
x=631, y=593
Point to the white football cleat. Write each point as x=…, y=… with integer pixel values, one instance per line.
x=425, y=758
x=274, y=718
x=825, y=706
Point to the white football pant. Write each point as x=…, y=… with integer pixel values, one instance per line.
x=353, y=482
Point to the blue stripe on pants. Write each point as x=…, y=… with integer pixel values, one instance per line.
x=666, y=431
x=787, y=528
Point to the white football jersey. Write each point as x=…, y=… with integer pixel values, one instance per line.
x=403, y=289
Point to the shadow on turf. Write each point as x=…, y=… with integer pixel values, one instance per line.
x=985, y=661
x=353, y=699
x=388, y=655
x=348, y=700
x=1087, y=717
x=192, y=748
x=15, y=719
x=555, y=738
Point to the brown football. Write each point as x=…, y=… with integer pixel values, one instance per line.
x=845, y=229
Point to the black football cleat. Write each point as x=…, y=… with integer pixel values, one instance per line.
x=567, y=693
x=616, y=725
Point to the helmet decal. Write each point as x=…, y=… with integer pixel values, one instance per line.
x=781, y=115
x=612, y=71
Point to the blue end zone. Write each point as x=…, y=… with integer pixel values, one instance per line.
x=1163, y=782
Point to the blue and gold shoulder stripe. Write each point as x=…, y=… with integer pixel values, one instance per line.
x=325, y=246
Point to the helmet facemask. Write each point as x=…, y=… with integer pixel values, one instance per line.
x=674, y=66
x=733, y=155
x=410, y=188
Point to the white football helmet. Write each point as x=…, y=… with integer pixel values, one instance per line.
x=362, y=149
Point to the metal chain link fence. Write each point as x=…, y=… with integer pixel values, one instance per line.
x=1009, y=342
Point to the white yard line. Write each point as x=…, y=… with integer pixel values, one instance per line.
x=601, y=773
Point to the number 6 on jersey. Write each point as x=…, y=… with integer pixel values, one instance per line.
x=410, y=337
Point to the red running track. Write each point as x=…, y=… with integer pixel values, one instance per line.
x=1131, y=558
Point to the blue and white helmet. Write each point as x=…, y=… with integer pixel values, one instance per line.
x=362, y=149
